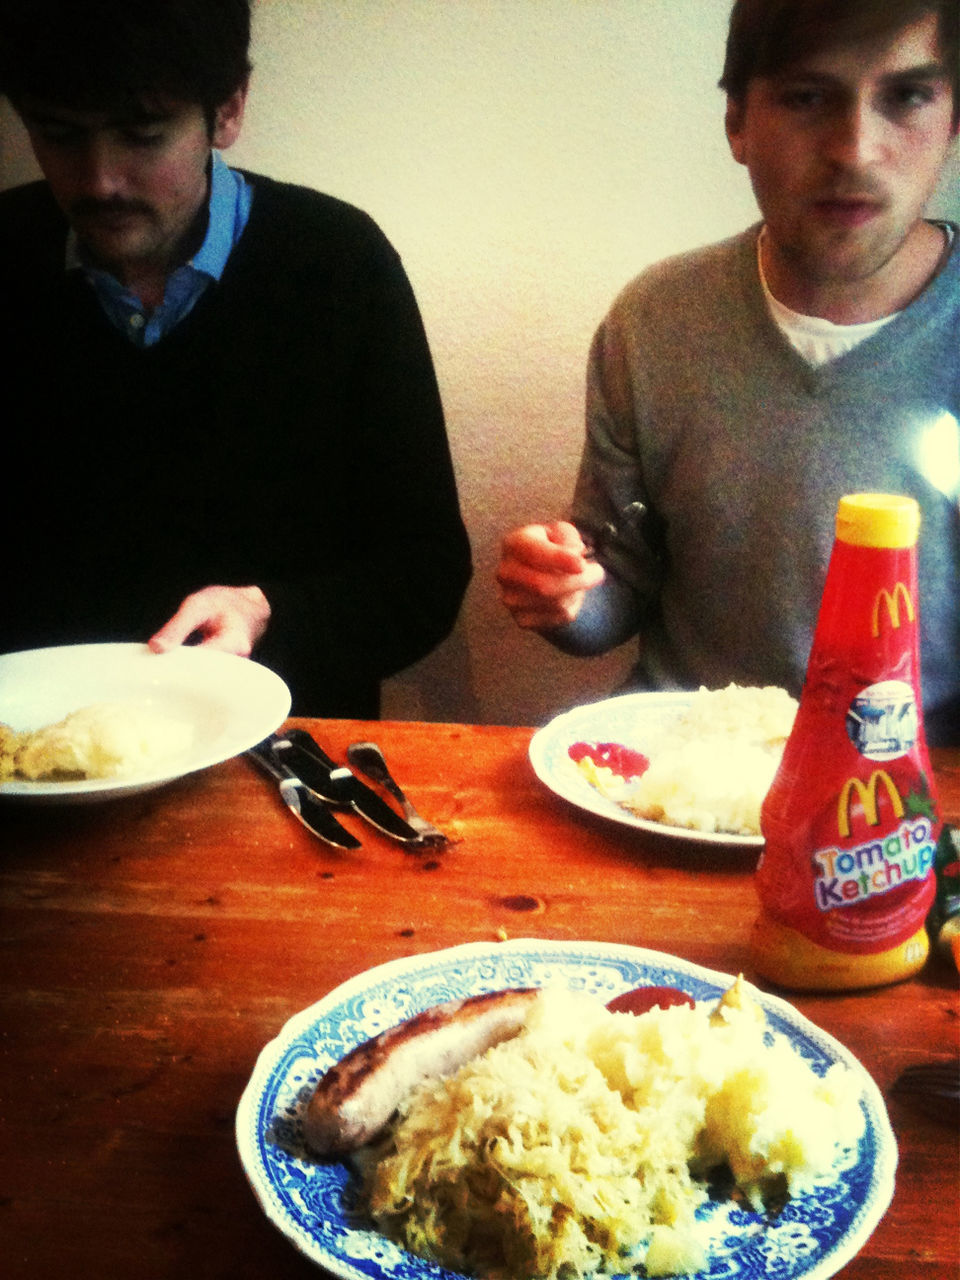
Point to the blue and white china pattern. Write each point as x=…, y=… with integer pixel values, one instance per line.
x=632, y=719
x=314, y=1202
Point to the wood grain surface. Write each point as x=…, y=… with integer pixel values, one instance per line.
x=150, y=946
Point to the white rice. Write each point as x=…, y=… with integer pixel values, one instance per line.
x=711, y=768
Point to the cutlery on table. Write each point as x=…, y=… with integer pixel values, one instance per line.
x=934, y=1087
x=338, y=786
x=306, y=807
x=368, y=758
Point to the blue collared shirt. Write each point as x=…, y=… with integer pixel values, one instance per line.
x=230, y=199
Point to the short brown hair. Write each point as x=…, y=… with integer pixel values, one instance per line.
x=767, y=35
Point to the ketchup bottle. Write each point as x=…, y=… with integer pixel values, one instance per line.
x=851, y=821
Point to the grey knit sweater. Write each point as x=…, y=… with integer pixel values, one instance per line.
x=698, y=407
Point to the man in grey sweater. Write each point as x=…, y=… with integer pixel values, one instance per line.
x=736, y=393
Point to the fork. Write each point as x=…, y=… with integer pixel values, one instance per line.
x=933, y=1086
x=368, y=758
x=598, y=541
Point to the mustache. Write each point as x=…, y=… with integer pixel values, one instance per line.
x=853, y=189
x=89, y=207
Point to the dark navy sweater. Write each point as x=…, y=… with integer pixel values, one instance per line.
x=288, y=433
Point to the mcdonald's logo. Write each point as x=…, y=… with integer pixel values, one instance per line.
x=867, y=794
x=892, y=600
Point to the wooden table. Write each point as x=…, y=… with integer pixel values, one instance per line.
x=150, y=946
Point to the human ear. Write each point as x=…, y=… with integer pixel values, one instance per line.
x=228, y=119
x=734, y=124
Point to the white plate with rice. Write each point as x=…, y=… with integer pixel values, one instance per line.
x=314, y=1203
x=645, y=722
x=165, y=715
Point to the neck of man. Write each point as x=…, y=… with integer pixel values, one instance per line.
x=856, y=301
x=149, y=285
x=147, y=277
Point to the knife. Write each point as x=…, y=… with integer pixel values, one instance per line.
x=305, y=807
x=336, y=784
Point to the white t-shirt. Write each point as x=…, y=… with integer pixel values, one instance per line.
x=819, y=340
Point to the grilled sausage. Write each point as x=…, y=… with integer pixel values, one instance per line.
x=357, y=1096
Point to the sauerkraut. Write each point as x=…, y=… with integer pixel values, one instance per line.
x=581, y=1146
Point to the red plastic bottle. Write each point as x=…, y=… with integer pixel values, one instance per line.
x=851, y=822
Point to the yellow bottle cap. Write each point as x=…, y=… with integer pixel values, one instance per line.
x=878, y=520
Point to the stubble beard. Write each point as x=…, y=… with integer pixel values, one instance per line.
x=841, y=258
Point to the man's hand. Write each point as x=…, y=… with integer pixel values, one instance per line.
x=231, y=619
x=544, y=572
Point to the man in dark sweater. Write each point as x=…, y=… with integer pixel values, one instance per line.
x=234, y=431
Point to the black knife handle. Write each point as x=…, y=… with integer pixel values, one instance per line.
x=307, y=743
x=309, y=808
x=263, y=755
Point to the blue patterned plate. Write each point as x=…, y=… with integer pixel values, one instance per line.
x=632, y=719
x=314, y=1203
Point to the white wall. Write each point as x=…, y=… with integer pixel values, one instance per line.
x=526, y=157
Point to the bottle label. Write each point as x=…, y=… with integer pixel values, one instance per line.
x=882, y=720
x=873, y=847
x=848, y=876
x=947, y=876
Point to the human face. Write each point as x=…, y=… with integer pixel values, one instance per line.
x=132, y=184
x=844, y=150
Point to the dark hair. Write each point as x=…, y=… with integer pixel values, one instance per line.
x=97, y=54
x=765, y=36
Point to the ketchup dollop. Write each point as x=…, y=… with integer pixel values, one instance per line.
x=640, y=999
x=623, y=761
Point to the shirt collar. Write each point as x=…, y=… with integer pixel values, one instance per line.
x=223, y=225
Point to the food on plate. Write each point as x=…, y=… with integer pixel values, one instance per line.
x=356, y=1098
x=9, y=742
x=611, y=757
x=640, y=999
x=583, y=1143
x=706, y=786
x=709, y=768
x=102, y=740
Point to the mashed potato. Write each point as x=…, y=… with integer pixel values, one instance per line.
x=706, y=786
x=104, y=740
x=711, y=768
x=578, y=1146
